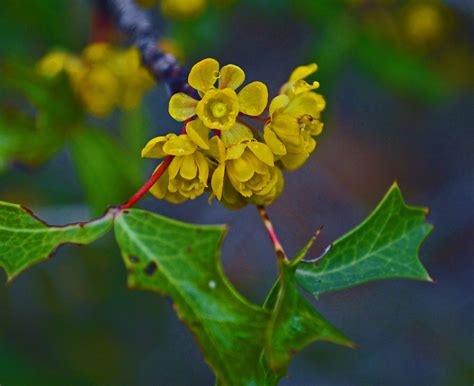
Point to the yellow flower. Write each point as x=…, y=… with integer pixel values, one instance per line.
x=99, y=90
x=423, y=23
x=219, y=107
x=188, y=173
x=245, y=173
x=292, y=125
x=181, y=9
x=296, y=85
x=134, y=79
x=56, y=62
x=103, y=77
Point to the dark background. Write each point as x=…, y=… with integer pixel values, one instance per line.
x=397, y=109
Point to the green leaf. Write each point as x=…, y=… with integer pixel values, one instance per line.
x=25, y=240
x=244, y=344
x=98, y=157
x=182, y=261
x=294, y=322
x=17, y=132
x=384, y=246
x=400, y=70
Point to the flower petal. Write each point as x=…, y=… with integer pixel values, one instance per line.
x=217, y=149
x=294, y=161
x=238, y=133
x=203, y=167
x=154, y=148
x=180, y=145
x=198, y=133
x=275, y=145
x=217, y=181
x=262, y=152
x=189, y=168
x=253, y=98
x=182, y=106
x=308, y=103
x=235, y=151
x=303, y=72
x=174, y=167
x=161, y=187
x=240, y=169
x=204, y=74
x=232, y=76
x=279, y=102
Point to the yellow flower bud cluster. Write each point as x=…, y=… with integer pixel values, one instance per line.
x=103, y=77
x=218, y=150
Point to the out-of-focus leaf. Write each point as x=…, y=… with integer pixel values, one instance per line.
x=384, y=246
x=134, y=135
x=25, y=240
x=244, y=344
x=21, y=140
x=399, y=69
x=108, y=172
x=53, y=98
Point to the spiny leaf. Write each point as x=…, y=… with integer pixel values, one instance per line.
x=294, y=322
x=182, y=261
x=384, y=246
x=25, y=240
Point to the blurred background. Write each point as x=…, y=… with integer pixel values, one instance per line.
x=398, y=80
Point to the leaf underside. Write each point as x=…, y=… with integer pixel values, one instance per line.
x=25, y=240
x=384, y=246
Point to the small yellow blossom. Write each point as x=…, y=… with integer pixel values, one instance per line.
x=187, y=175
x=56, y=62
x=182, y=9
x=218, y=107
x=296, y=84
x=98, y=89
x=103, y=77
x=245, y=173
x=292, y=125
x=423, y=23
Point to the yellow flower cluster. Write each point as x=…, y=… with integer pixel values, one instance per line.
x=103, y=77
x=220, y=152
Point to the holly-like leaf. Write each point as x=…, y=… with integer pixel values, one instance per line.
x=26, y=240
x=384, y=246
x=294, y=322
x=244, y=344
x=182, y=261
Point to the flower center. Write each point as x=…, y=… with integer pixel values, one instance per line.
x=218, y=109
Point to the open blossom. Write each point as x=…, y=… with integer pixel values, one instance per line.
x=246, y=172
x=295, y=120
x=219, y=106
x=220, y=152
x=297, y=84
x=188, y=173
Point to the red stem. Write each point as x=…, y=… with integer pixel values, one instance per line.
x=149, y=184
x=280, y=252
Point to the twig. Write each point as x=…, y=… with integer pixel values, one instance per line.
x=280, y=252
x=164, y=66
